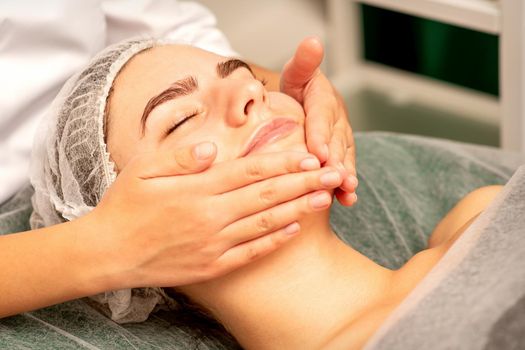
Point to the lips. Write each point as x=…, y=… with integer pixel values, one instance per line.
x=269, y=133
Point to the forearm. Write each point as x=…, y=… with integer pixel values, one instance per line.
x=47, y=266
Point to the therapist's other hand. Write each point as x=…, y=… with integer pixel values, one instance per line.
x=328, y=132
x=157, y=229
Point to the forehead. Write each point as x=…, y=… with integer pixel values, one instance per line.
x=167, y=62
x=153, y=70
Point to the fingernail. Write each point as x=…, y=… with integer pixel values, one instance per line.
x=292, y=228
x=331, y=178
x=320, y=200
x=354, y=197
x=352, y=181
x=204, y=150
x=310, y=164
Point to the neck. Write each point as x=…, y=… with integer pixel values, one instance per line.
x=311, y=286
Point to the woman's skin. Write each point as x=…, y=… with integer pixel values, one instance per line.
x=316, y=292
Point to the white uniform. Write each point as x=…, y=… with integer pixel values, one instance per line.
x=42, y=43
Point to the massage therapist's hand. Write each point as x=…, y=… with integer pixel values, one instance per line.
x=155, y=229
x=328, y=132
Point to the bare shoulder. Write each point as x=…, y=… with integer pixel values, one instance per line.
x=464, y=212
x=356, y=334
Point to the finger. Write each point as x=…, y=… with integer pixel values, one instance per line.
x=258, y=167
x=300, y=69
x=349, y=161
x=337, y=149
x=349, y=184
x=350, y=181
x=345, y=198
x=269, y=193
x=319, y=124
x=247, y=252
x=275, y=218
x=182, y=161
x=342, y=148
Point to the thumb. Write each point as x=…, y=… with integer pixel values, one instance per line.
x=186, y=160
x=304, y=64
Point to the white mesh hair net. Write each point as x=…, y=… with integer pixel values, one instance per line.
x=71, y=168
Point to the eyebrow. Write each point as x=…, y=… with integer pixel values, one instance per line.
x=226, y=68
x=187, y=86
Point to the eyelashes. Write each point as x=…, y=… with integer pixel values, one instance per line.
x=263, y=81
x=181, y=121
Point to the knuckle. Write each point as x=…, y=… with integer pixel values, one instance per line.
x=268, y=194
x=266, y=222
x=254, y=170
x=252, y=253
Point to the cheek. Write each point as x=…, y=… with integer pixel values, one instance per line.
x=120, y=150
x=224, y=150
x=285, y=105
x=229, y=141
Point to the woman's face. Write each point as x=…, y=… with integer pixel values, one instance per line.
x=172, y=96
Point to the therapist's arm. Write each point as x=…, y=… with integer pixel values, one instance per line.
x=328, y=132
x=46, y=266
x=152, y=228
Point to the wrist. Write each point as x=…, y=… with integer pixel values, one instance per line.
x=92, y=253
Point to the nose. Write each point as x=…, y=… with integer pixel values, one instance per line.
x=247, y=100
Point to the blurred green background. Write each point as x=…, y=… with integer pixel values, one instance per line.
x=431, y=48
x=436, y=50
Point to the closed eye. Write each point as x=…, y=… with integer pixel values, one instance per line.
x=180, y=122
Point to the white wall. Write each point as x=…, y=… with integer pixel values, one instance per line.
x=266, y=32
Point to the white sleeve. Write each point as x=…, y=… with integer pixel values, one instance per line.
x=181, y=21
x=42, y=43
